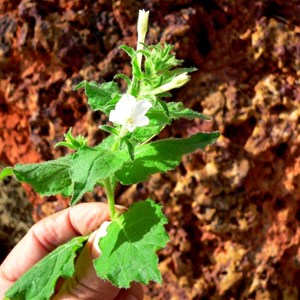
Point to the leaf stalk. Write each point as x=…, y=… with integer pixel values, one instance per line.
x=110, y=197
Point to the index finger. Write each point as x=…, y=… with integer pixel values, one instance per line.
x=48, y=234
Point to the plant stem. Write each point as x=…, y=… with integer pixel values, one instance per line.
x=110, y=197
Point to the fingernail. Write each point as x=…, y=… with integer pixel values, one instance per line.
x=130, y=297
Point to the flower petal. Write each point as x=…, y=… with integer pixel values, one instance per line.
x=116, y=117
x=142, y=121
x=126, y=104
x=130, y=126
x=141, y=108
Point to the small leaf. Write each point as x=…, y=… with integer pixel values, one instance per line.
x=47, y=178
x=164, y=107
x=161, y=156
x=65, y=144
x=136, y=70
x=124, y=77
x=129, y=248
x=177, y=111
x=91, y=165
x=72, y=142
x=102, y=96
x=6, y=172
x=39, y=282
x=130, y=51
x=158, y=120
x=80, y=85
x=109, y=129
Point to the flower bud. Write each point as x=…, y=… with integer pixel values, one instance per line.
x=175, y=83
x=142, y=28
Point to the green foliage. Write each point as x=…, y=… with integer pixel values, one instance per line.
x=161, y=156
x=39, y=282
x=177, y=111
x=158, y=121
x=47, y=178
x=160, y=66
x=91, y=165
x=71, y=142
x=129, y=248
x=159, y=59
x=6, y=172
x=101, y=96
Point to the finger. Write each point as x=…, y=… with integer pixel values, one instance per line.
x=134, y=293
x=49, y=233
x=86, y=284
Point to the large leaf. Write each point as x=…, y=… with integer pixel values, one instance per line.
x=129, y=248
x=91, y=165
x=39, y=282
x=47, y=178
x=161, y=156
x=101, y=96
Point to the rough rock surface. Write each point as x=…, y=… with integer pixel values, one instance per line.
x=234, y=209
x=15, y=215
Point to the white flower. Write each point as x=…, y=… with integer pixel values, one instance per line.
x=142, y=27
x=175, y=83
x=130, y=113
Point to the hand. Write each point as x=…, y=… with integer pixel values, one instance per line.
x=55, y=230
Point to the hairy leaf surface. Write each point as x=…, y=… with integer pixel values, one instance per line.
x=129, y=248
x=91, y=165
x=161, y=156
x=101, y=96
x=47, y=178
x=39, y=282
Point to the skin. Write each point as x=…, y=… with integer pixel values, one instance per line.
x=55, y=230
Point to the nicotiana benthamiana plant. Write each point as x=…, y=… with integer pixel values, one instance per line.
x=127, y=156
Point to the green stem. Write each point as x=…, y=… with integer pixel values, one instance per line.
x=108, y=186
x=110, y=197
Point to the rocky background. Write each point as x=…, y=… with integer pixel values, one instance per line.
x=234, y=210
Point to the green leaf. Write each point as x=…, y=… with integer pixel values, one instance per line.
x=91, y=165
x=129, y=248
x=130, y=149
x=109, y=129
x=177, y=111
x=47, y=178
x=106, y=143
x=158, y=121
x=39, y=282
x=130, y=51
x=6, y=172
x=164, y=106
x=161, y=156
x=79, y=85
x=101, y=96
x=124, y=77
x=72, y=142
